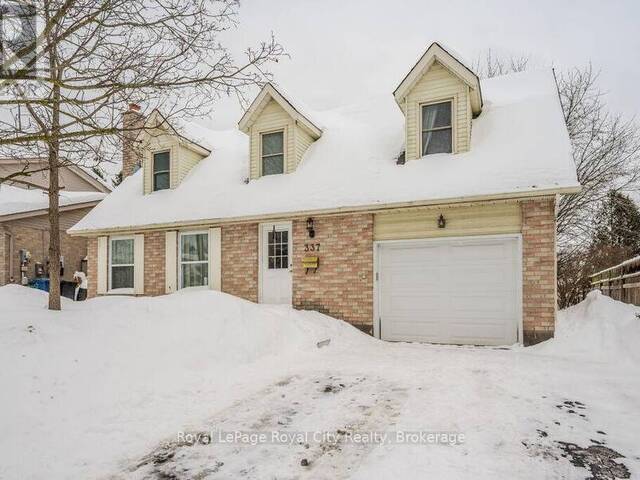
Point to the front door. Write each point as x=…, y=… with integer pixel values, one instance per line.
x=275, y=263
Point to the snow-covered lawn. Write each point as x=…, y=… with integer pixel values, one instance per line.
x=151, y=387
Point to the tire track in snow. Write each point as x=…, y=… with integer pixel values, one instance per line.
x=338, y=405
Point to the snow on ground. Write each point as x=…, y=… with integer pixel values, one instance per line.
x=135, y=388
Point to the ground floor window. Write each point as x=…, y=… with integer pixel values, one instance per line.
x=121, y=263
x=194, y=259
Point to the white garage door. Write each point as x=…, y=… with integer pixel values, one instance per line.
x=457, y=291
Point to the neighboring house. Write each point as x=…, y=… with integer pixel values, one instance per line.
x=428, y=215
x=24, y=222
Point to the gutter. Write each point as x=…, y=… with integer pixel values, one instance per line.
x=327, y=212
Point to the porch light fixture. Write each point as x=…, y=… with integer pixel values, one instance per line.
x=441, y=221
x=310, y=229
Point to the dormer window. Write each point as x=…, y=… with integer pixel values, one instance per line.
x=437, y=130
x=272, y=153
x=161, y=171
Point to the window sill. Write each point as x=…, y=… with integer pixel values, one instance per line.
x=192, y=289
x=121, y=291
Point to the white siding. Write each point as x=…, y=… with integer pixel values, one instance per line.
x=271, y=118
x=102, y=264
x=183, y=159
x=138, y=264
x=215, y=258
x=437, y=84
x=303, y=142
x=171, y=261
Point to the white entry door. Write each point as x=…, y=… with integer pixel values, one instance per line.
x=458, y=291
x=275, y=263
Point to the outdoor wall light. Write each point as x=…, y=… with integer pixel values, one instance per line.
x=441, y=221
x=312, y=232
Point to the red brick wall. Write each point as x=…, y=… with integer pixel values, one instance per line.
x=539, y=269
x=240, y=260
x=33, y=235
x=343, y=284
x=154, y=263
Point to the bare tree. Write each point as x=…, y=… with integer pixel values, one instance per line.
x=606, y=151
x=93, y=59
x=606, y=148
x=490, y=65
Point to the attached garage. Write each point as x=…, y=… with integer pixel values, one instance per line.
x=462, y=290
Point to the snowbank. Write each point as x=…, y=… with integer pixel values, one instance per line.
x=122, y=372
x=597, y=329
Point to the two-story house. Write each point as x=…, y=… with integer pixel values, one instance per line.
x=423, y=214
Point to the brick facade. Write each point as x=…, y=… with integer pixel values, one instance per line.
x=32, y=234
x=538, y=269
x=240, y=260
x=343, y=285
x=154, y=263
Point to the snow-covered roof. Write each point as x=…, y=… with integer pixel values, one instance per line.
x=454, y=62
x=297, y=109
x=519, y=146
x=15, y=200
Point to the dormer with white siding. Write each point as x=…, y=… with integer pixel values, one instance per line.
x=279, y=132
x=439, y=97
x=167, y=156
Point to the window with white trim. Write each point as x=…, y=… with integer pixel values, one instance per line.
x=121, y=263
x=194, y=259
x=437, y=129
x=161, y=171
x=272, y=153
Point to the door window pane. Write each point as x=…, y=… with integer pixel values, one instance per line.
x=278, y=249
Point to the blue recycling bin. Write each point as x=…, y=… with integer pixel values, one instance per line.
x=41, y=284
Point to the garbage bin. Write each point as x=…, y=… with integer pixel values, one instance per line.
x=68, y=289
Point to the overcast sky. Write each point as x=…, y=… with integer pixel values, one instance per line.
x=344, y=50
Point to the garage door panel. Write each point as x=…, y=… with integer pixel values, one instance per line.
x=450, y=291
x=401, y=327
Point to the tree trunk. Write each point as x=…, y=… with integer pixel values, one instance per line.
x=54, y=194
x=54, y=230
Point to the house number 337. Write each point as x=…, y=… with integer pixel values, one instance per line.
x=311, y=247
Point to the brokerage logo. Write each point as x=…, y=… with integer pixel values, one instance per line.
x=18, y=39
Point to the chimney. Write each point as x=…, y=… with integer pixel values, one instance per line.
x=132, y=123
